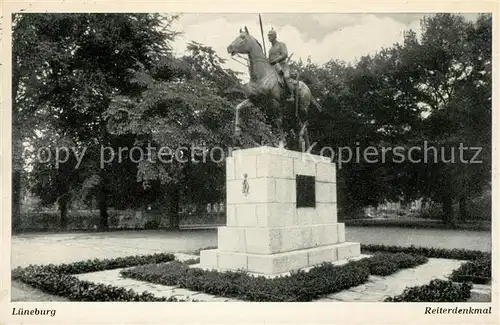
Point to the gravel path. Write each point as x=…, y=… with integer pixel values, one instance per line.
x=60, y=248
x=65, y=248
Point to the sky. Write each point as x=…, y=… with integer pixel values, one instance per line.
x=322, y=37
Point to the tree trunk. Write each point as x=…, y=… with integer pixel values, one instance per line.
x=448, y=208
x=103, y=202
x=17, y=167
x=103, y=190
x=16, y=201
x=17, y=148
x=174, y=206
x=63, y=208
x=103, y=213
x=462, y=205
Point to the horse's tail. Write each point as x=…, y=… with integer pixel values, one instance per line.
x=313, y=99
x=316, y=104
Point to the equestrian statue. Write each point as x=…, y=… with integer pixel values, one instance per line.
x=271, y=87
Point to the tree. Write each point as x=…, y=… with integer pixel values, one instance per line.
x=56, y=184
x=86, y=60
x=184, y=110
x=455, y=58
x=434, y=90
x=366, y=106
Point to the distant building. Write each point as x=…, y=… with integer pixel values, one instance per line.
x=394, y=207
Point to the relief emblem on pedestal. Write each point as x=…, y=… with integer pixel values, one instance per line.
x=246, y=186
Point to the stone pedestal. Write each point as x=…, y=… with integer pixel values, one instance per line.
x=281, y=214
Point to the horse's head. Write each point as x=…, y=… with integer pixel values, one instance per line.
x=243, y=44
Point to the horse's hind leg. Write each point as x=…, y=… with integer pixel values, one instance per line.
x=244, y=104
x=306, y=137
x=279, y=124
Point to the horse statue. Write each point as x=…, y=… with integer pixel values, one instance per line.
x=266, y=89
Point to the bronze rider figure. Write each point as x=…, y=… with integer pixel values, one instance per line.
x=278, y=55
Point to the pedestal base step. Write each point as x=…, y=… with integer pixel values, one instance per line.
x=277, y=263
x=276, y=275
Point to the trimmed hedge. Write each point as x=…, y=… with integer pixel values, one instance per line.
x=298, y=286
x=459, y=254
x=478, y=272
x=97, y=265
x=416, y=224
x=436, y=291
x=74, y=289
x=198, y=252
x=58, y=279
x=430, y=252
x=383, y=264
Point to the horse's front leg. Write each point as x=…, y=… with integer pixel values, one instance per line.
x=278, y=109
x=244, y=104
x=303, y=136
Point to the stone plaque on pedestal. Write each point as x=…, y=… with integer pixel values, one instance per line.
x=281, y=214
